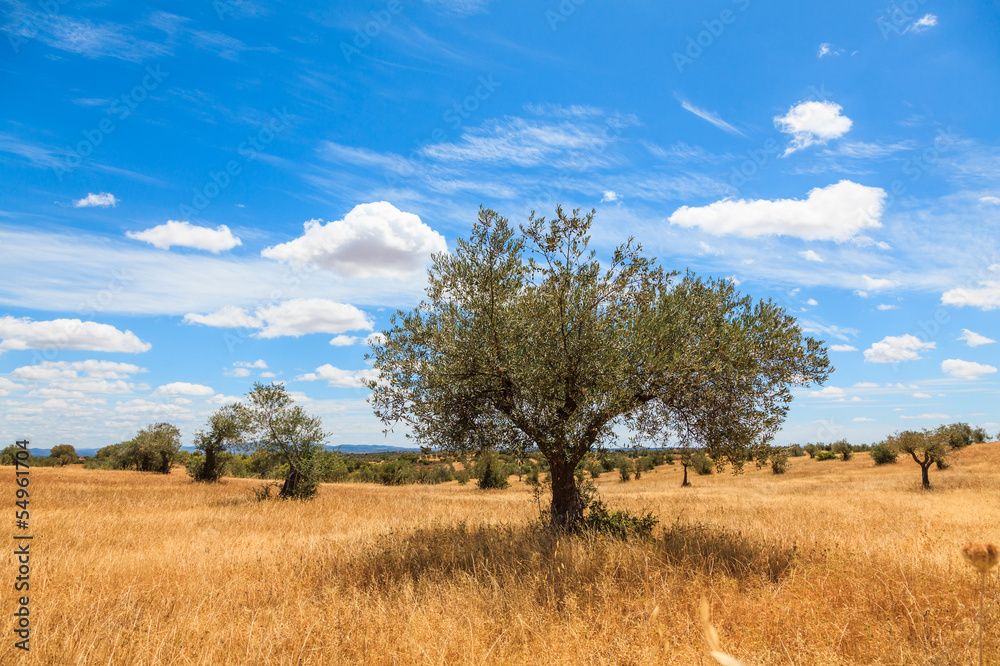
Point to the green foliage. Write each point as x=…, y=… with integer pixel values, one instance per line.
x=811, y=449
x=65, y=453
x=225, y=428
x=153, y=449
x=620, y=524
x=823, y=454
x=462, y=476
x=796, y=451
x=979, y=435
x=531, y=478
x=510, y=350
x=959, y=435
x=882, y=454
x=701, y=463
x=491, y=471
x=271, y=424
x=843, y=449
x=779, y=460
x=925, y=447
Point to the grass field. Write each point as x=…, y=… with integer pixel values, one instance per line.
x=832, y=563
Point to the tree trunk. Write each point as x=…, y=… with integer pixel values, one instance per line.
x=685, y=484
x=926, y=479
x=566, y=509
x=209, y=472
x=291, y=482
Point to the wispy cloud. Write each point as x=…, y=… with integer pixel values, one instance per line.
x=710, y=116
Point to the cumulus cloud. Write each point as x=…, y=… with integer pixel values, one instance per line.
x=985, y=297
x=334, y=376
x=974, y=339
x=843, y=348
x=895, y=348
x=372, y=240
x=609, y=195
x=810, y=255
x=185, y=234
x=344, y=340
x=812, y=123
x=67, y=334
x=102, y=200
x=829, y=392
x=6, y=386
x=294, y=317
x=966, y=369
x=922, y=396
x=182, y=388
x=836, y=212
x=236, y=372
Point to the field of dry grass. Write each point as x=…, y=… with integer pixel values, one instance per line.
x=832, y=563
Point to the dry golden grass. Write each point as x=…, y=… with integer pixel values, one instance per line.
x=133, y=568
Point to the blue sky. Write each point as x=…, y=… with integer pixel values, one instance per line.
x=197, y=196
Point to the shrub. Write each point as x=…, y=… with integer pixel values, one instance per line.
x=842, y=449
x=702, y=464
x=619, y=524
x=979, y=436
x=491, y=471
x=462, y=476
x=811, y=450
x=796, y=451
x=624, y=469
x=825, y=455
x=779, y=461
x=882, y=454
x=531, y=478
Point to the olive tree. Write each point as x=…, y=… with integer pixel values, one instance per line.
x=270, y=424
x=526, y=339
x=926, y=447
x=225, y=429
x=65, y=453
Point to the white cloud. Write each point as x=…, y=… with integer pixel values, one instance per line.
x=922, y=395
x=337, y=377
x=185, y=234
x=966, y=369
x=609, y=195
x=102, y=200
x=836, y=212
x=812, y=302
x=710, y=116
x=51, y=370
x=268, y=374
x=865, y=385
x=892, y=349
x=811, y=255
x=182, y=388
x=886, y=306
x=294, y=317
x=812, y=123
x=843, y=348
x=926, y=21
x=974, y=339
x=344, y=340
x=374, y=239
x=6, y=386
x=990, y=200
x=984, y=297
x=829, y=392
x=259, y=364
x=67, y=334
x=824, y=49
x=229, y=316
x=925, y=416
x=236, y=372
x=862, y=419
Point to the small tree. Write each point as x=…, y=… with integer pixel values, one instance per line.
x=811, y=449
x=882, y=454
x=779, y=460
x=65, y=453
x=273, y=425
x=979, y=435
x=843, y=449
x=959, y=435
x=491, y=471
x=225, y=428
x=926, y=448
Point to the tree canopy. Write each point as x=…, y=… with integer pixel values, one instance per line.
x=526, y=339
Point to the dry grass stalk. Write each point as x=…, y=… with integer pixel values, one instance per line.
x=712, y=637
x=982, y=557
